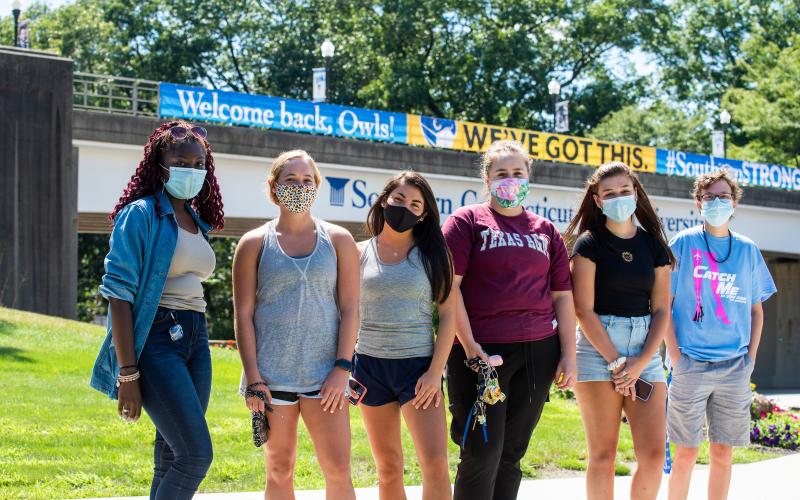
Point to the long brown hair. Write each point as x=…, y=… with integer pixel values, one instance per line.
x=590, y=217
x=427, y=234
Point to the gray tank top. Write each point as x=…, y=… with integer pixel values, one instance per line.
x=396, y=307
x=296, y=317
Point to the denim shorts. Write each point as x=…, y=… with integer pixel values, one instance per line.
x=628, y=336
x=716, y=391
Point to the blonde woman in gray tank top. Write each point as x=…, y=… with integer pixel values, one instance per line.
x=405, y=268
x=296, y=304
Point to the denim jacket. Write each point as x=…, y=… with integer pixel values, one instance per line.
x=142, y=245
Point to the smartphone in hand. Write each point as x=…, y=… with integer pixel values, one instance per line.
x=355, y=391
x=643, y=390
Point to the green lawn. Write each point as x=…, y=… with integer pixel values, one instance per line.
x=59, y=438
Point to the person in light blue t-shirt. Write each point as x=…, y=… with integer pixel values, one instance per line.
x=718, y=286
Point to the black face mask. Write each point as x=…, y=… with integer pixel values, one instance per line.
x=399, y=218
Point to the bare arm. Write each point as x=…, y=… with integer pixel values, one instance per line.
x=564, y=307
x=245, y=279
x=670, y=339
x=756, y=325
x=429, y=386
x=659, y=313
x=583, y=275
x=129, y=396
x=348, y=290
x=463, y=328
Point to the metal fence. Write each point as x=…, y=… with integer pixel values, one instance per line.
x=115, y=94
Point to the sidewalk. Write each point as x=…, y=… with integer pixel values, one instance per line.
x=787, y=400
x=775, y=479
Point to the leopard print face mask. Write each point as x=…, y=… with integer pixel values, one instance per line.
x=297, y=198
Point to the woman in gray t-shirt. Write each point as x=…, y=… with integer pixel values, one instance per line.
x=296, y=295
x=405, y=268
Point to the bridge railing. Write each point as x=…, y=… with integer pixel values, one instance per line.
x=115, y=94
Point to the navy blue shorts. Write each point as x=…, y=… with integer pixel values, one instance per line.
x=388, y=380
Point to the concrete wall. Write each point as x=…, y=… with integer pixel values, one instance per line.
x=38, y=193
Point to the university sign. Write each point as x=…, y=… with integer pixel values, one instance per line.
x=194, y=103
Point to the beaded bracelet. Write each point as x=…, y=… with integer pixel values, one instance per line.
x=128, y=378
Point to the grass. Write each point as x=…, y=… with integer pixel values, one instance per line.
x=59, y=438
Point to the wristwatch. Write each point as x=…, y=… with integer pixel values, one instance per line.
x=344, y=364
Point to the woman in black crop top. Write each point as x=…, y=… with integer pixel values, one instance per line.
x=620, y=274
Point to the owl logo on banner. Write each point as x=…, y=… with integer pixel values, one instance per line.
x=439, y=132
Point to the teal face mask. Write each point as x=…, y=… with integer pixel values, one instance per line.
x=619, y=209
x=185, y=182
x=716, y=212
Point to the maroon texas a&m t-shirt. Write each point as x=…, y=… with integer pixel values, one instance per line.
x=509, y=266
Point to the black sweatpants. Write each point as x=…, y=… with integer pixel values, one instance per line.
x=491, y=470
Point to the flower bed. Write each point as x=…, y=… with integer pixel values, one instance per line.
x=771, y=426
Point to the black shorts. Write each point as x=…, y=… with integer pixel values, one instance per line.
x=388, y=380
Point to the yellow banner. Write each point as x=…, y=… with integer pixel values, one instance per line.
x=469, y=136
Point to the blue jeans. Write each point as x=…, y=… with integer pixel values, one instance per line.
x=176, y=385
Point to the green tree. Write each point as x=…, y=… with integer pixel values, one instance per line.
x=766, y=109
x=660, y=124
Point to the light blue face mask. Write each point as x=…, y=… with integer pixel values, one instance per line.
x=716, y=212
x=619, y=209
x=185, y=182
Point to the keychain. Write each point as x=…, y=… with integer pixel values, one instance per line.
x=176, y=330
x=488, y=393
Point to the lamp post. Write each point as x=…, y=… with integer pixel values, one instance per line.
x=327, y=48
x=16, y=8
x=554, y=88
x=725, y=120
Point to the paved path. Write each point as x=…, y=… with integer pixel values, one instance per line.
x=787, y=400
x=777, y=479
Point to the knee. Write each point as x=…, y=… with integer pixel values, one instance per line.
x=280, y=468
x=720, y=454
x=684, y=456
x=603, y=458
x=651, y=456
x=434, y=464
x=390, y=470
x=337, y=471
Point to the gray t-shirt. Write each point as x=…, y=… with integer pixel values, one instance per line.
x=396, y=307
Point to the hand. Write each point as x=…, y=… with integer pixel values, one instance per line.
x=566, y=372
x=474, y=350
x=255, y=403
x=333, y=390
x=427, y=390
x=129, y=405
x=625, y=377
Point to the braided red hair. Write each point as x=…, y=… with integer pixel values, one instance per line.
x=147, y=179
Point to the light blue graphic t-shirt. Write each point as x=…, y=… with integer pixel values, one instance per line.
x=713, y=299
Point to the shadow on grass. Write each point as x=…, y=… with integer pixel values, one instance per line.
x=6, y=328
x=14, y=354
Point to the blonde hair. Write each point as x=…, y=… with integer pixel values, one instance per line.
x=705, y=181
x=502, y=149
x=281, y=161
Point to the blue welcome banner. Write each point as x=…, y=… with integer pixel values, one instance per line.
x=748, y=173
x=194, y=103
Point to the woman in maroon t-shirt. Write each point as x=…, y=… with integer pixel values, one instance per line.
x=515, y=300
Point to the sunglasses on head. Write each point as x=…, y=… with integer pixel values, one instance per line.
x=179, y=132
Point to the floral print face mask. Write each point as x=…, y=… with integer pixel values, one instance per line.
x=509, y=192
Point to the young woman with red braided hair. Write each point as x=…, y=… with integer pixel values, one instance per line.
x=156, y=352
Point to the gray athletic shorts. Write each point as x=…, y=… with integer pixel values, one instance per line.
x=717, y=391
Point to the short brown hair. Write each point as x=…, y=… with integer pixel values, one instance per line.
x=705, y=181
x=501, y=149
x=281, y=161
